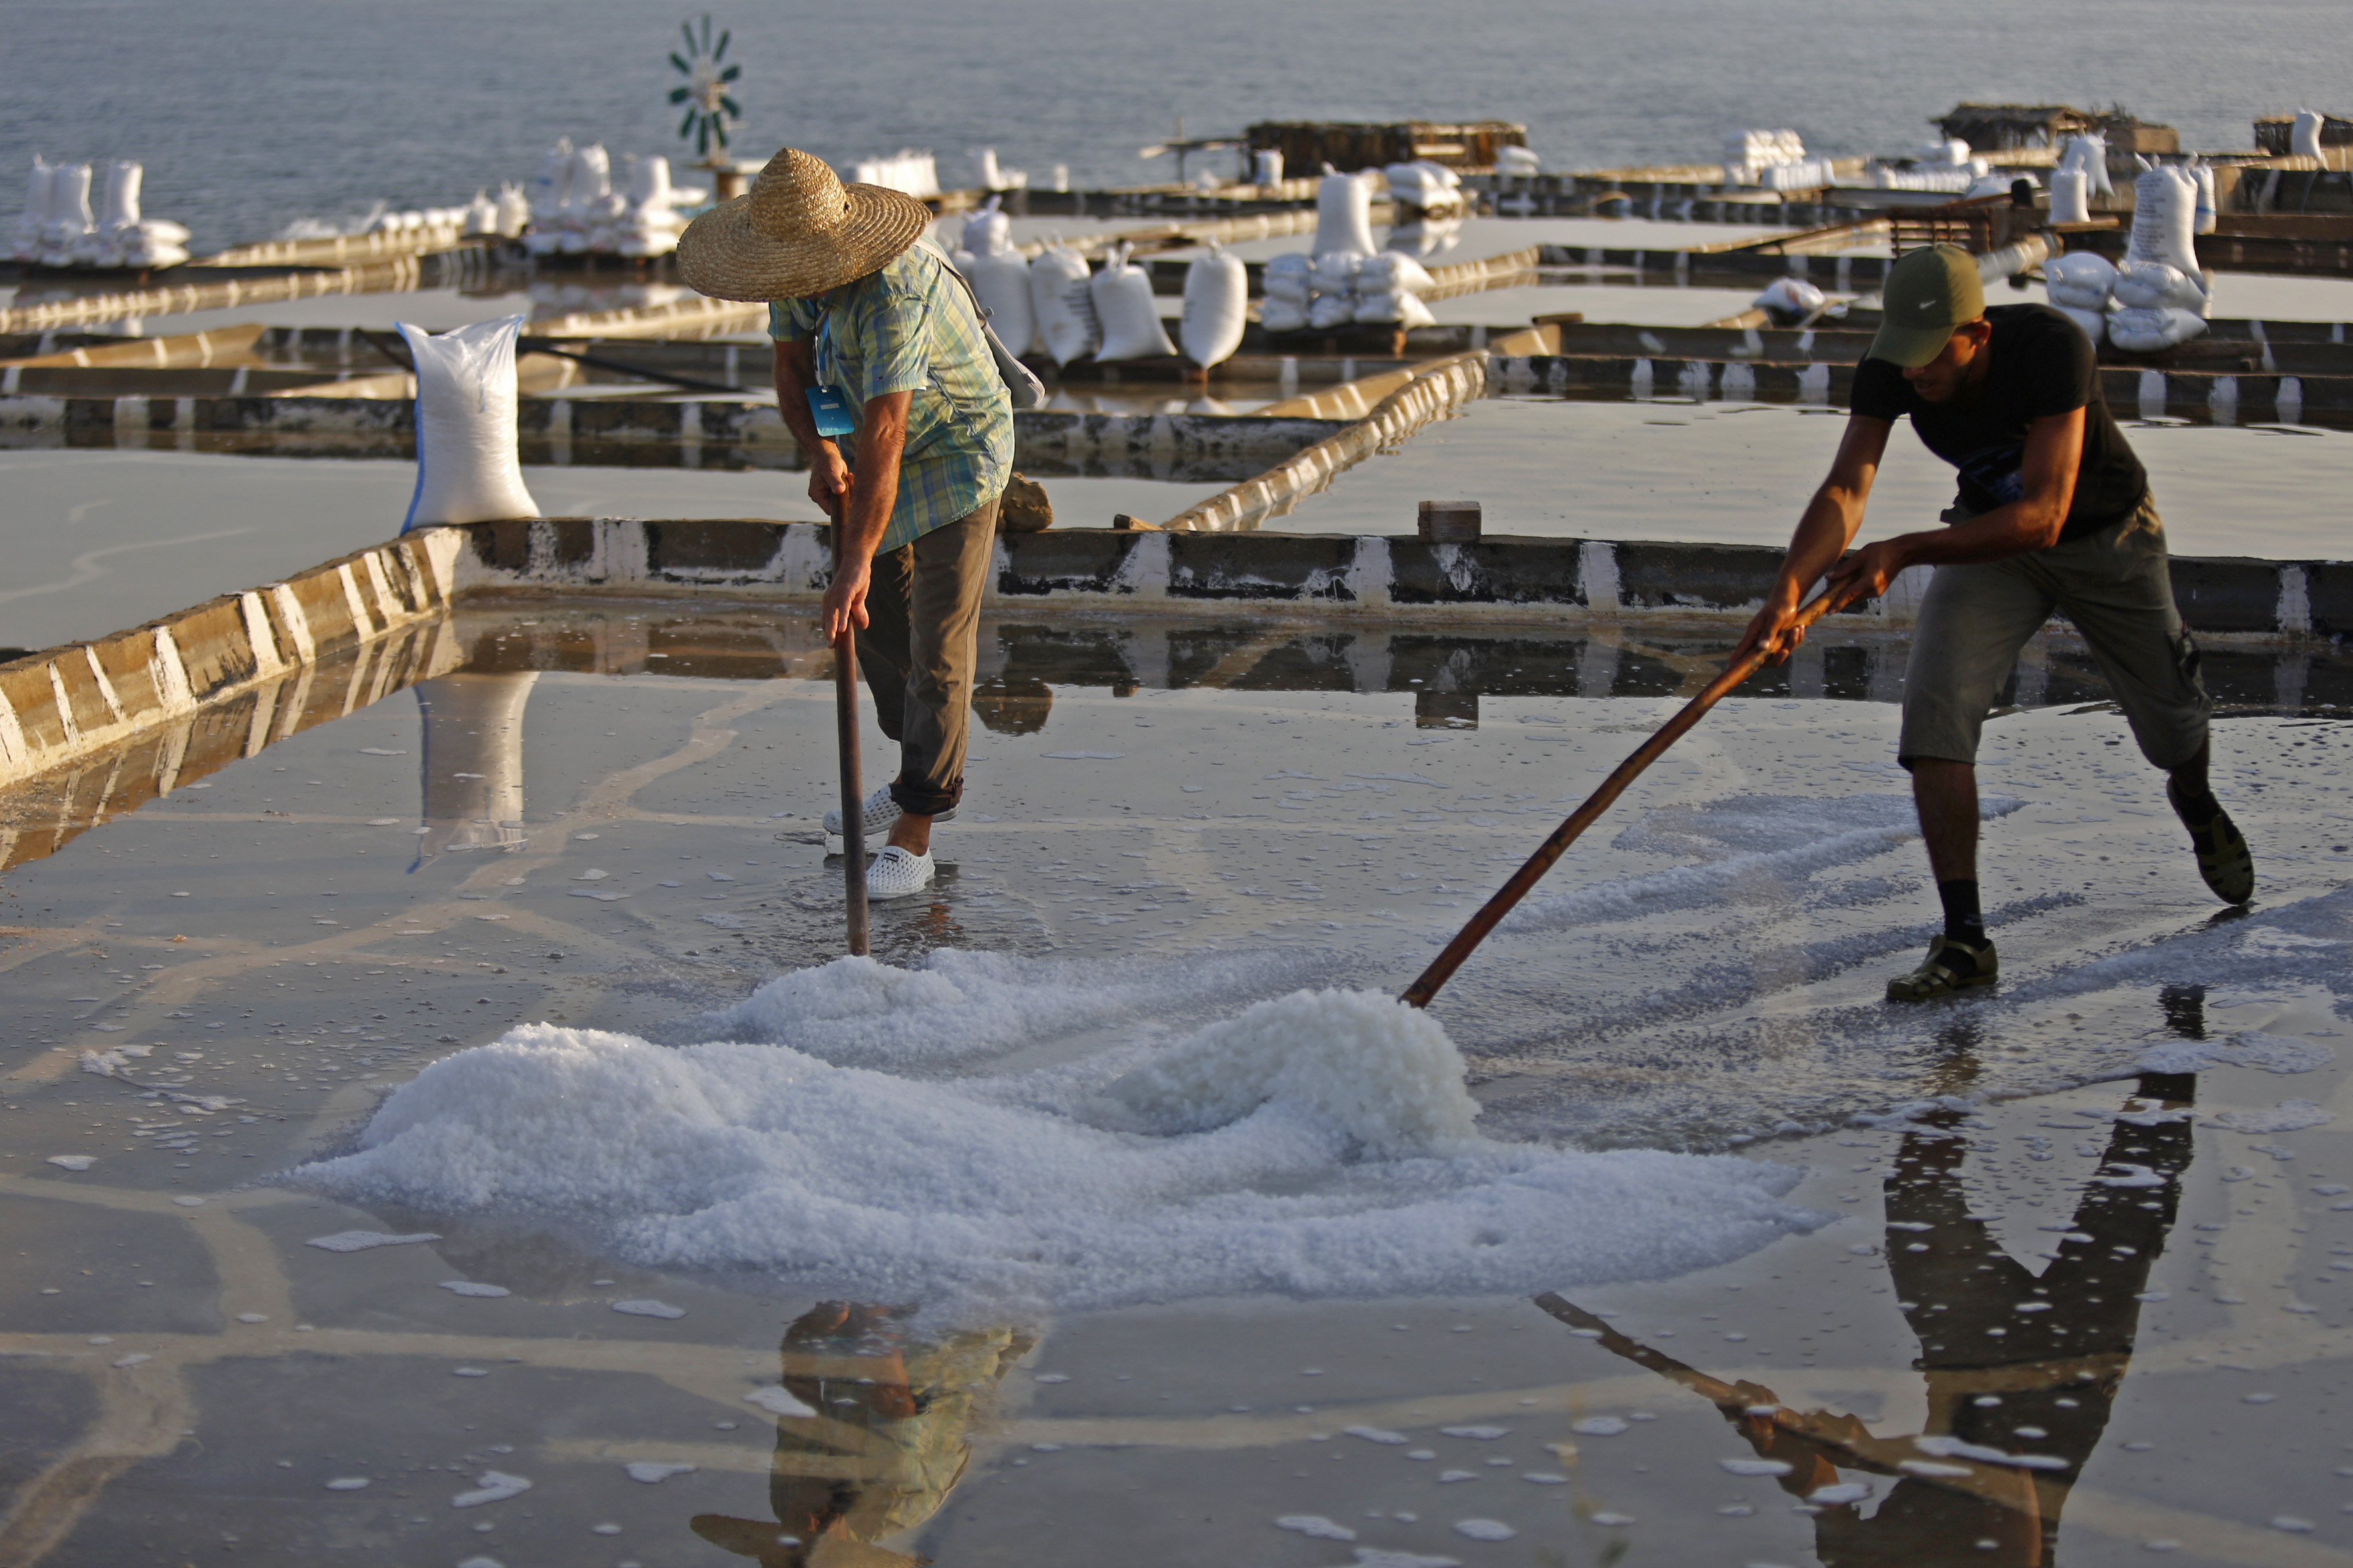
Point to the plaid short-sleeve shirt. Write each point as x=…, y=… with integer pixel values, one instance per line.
x=910, y=328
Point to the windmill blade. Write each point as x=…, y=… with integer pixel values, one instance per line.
x=687, y=124
x=679, y=61
x=706, y=32
x=687, y=30
x=703, y=137
x=721, y=52
x=731, y=73
x=731, y=106
x=719, y=129
x=677, y=95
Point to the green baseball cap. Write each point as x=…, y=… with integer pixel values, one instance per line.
x=1929, y=291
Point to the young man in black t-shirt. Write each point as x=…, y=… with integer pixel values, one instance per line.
x=2053, y=515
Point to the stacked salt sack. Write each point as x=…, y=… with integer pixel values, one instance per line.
x=2079, y=284
x=57, y=229
x=1345, y=280
x=2081, y=174
x=1063, y=304
x=999, y=275
x=1217, y=307
x=574, y=210
x=1424, y=189
x=1775, y=160
x=1790, y=300
x=1939, y=166
x=1516, y=161
x=2162, y=298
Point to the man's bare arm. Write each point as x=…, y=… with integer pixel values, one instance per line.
x=881, y=441
x=828, y=483
x=2054, y=449
x=1824, y=531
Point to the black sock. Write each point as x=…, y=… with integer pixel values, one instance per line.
x=1963, y=923
x=2196, y=810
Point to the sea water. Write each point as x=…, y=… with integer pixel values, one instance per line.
x=249, y=113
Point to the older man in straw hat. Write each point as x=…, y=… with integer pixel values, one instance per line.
x=884, y=376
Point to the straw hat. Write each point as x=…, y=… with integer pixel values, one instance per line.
x=800, y=232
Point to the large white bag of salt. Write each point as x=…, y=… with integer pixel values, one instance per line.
x=1266, y=166
x=36, y=216
x=1217, y=307
x=1343, y=215
x=2154, y=285
x=1393, y=308
x=1392, y=272
x=2094, y=323
x=1290, y=275
x=988, y=231
x=1123, y=304
x=68, y=202
x=468, y=469
x=1516, y=161
x=1277, y=315
x=120, y=209
x=2303, y=136
x=2079, y=280
x=2146, y=331
x=514, y=210
x=1064, y=304
x=2165, y=218
x=2208, y=212
x=1794, y=297
x=2071, y=197
x=1002, y=280
x=1329, y=311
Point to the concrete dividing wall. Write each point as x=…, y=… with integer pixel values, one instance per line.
x=70, y=702
x=1504, y=577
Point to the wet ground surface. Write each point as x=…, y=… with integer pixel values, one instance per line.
x=2071, y=1276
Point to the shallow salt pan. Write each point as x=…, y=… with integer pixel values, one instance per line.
x=1321, y=1145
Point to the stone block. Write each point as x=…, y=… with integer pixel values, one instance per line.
x=1694, y=576
x=731, y=544
x=2329, y=585
x=2227, y=593
x=1499, y=571
x=1064, y=561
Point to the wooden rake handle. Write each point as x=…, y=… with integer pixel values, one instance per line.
x=1490, y=913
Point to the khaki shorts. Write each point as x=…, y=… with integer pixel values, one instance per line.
x=2113, y=586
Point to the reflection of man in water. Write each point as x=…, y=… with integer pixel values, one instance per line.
x=2016, y=1364
x=885, y=1448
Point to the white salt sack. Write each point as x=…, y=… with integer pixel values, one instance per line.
x=1001, y=278
x=1326, y=312
x=1397, y=308
x=2209, y=212
x=120, y=209
x=988, y=231
x=1063, y=305
x=1791, y=297
x=1277, y=314
x=2095, y=324
x=1217, y=307
x=1516, y=161
x=1123, y=305
x=2079, y=280
x=2154, y=285
x=2147, y=332
x=1266, y=166
x=1290, y=275
x=2071, y=199
x=2303, y=136
x=35, y=217
x=2165, y=218
x=468, y=467
x=1392, y=272
x=1343, y=215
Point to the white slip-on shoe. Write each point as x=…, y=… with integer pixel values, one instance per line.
x=881, y=812
x=894, y=873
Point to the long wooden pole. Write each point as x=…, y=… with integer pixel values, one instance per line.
x=1441, y=968
x=853, y=792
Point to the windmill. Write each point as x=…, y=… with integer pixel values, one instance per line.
x=709, y=106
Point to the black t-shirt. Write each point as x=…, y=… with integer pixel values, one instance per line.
x=2042, y=364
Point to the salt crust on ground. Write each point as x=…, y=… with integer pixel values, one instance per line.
x=1316, y=1145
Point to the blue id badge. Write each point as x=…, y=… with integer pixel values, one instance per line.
x=831, y=414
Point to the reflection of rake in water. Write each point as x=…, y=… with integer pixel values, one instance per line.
x=1490, y=913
